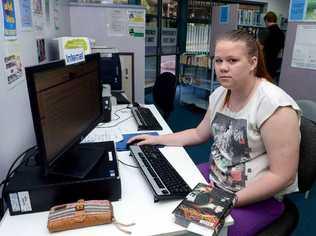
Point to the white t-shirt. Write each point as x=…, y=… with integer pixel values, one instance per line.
x=238, y=154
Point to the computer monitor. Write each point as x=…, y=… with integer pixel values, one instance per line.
x=66, y=105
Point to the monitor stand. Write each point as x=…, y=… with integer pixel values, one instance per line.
x=78, y=161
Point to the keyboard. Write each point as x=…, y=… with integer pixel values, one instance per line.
x=164, y=180
x=145, y=119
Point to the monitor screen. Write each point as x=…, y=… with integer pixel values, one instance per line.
x=66, y=104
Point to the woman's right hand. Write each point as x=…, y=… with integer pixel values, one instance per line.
x=144, y=139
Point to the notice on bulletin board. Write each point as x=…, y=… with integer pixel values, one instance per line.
x=304, y=51
x=302, y=10
x=136, y=23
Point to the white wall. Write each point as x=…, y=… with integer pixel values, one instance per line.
x=82, y=23
x=16, y=127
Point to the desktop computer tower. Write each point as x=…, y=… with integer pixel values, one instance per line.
x=30, y=191
x=110, y=70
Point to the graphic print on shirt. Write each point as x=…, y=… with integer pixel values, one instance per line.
x=229, y=151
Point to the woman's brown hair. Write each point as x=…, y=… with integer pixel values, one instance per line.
x=253, y=49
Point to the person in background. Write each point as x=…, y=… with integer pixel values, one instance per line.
x=253, y=154
x=272, y=45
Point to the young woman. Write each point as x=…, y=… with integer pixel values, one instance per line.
x=255, y=128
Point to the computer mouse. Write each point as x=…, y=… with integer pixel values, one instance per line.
x=132, y=143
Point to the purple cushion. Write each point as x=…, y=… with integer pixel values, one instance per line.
x=204, y=169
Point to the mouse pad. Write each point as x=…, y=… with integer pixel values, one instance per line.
x=122, y=145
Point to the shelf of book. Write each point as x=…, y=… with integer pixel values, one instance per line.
x=197, y=81
x=195, y=59
x=194, y=66
x=250, y=17
x=191, y=99
x=202, y=86
x=195, y=63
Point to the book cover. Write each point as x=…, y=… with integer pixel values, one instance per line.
x=206, y=206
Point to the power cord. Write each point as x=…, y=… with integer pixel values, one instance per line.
x=118, y=117
x=115, y=113
x=129, y=165
x=112, y=126
x=26, y=154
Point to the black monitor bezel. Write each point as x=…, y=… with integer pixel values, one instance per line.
x=29, y=72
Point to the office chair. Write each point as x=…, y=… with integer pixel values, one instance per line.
x=164, y=92
x=288, y=221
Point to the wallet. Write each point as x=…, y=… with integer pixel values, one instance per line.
x=79, y=214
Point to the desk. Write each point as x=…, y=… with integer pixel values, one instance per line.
x=137, y=203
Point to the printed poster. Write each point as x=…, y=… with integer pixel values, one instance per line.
x=297, y=9
x=302, y=10
x=224, y=14
x=304, y=50
x=136, y=23
x=26, y=15
x=12, y=63
x=9, y=20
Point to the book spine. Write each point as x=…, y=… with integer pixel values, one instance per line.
x=221, y=222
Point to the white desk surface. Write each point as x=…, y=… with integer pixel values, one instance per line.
x=137, y=203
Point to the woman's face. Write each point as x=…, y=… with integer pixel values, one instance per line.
x=233, y=66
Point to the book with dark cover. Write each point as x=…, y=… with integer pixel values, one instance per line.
x=205, y=205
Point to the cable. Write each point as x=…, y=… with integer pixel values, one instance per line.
x=115, y=113
x=3, y=181
x=128, y=164
x=122, y=109
x=111, y=126
x=26, y=154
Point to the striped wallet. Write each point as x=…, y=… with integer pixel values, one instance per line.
x=79, y=214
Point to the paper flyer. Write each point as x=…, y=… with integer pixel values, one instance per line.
x=304, y=51
x=56, y=14
x=47, y=11
x=38, y=16
x=12, y=63
x=37, y=6
x=136, y=23
x=117, y=23
x=26, y=15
